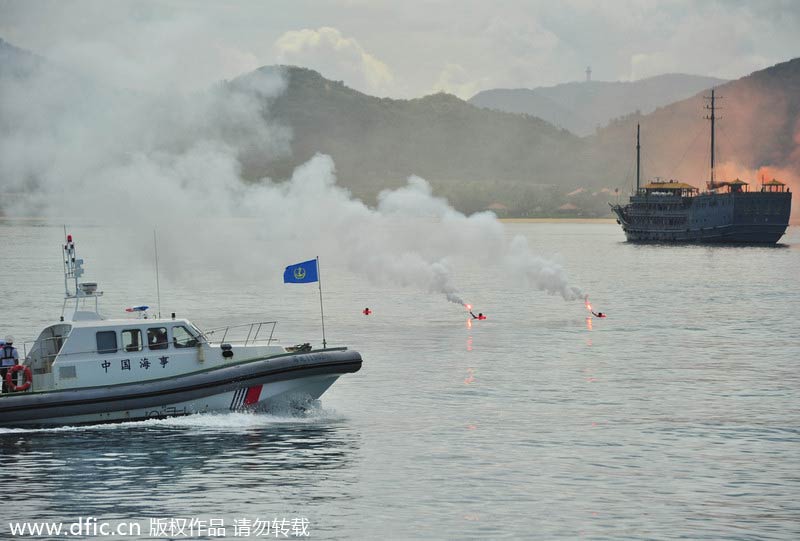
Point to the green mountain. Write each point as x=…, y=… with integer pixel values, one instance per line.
x=515, y=164
x=378, y=142
x=523, y=166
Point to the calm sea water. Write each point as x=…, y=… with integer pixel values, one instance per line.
x=677, y=417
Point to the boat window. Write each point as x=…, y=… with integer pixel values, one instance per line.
x=106, y=342
x=182, y=338
x=132, y=340
x=157, y=338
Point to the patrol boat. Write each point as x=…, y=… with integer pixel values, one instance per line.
x=86, y=369
x=727, y=212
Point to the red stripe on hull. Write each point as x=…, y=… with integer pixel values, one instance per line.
x=253, y=393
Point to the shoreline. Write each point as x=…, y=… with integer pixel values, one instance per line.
x=558, y=220
x=502, y=220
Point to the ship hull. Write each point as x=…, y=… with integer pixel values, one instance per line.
x=250, y=385
x=727, y=234
x=734, y=218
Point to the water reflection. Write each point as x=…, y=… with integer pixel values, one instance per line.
x=470, y=376
x=157, y=469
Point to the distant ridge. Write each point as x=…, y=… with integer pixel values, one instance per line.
x=759, y=129
x=517, y=165
x=581, y=107
x=379, y=142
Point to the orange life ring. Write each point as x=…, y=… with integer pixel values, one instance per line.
x=11, y=380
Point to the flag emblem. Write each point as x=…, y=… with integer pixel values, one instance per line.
x=301, y=273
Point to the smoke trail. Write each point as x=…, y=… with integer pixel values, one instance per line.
x=81, y=146
x=539, y=273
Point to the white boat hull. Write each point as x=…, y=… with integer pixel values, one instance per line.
x=257, y=385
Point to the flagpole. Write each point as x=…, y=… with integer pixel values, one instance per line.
x=321, y=311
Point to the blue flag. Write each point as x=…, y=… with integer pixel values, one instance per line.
x=301, y=273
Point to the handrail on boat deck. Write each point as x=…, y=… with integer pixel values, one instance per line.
x=253, y=330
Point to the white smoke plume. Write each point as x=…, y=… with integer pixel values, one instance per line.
x=77, y=145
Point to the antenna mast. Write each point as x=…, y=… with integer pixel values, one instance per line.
x=73, y=271
x=638, y=147
x=712, y=117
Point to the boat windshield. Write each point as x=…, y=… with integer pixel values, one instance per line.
x=47, y=346
x=182, y=337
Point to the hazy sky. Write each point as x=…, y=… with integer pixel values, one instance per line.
x=408, y=49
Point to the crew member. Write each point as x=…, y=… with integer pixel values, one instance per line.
x=157, y=338
x=8, y=358
x=366, y=311
x=479, y=316
x=598, y=314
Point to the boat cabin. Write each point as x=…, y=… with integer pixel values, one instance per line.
x=66, y=345
x=672, y=187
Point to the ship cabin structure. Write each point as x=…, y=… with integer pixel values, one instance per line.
x=661, y=205
x=670, y=211
x=774, y=186
x=738, y=186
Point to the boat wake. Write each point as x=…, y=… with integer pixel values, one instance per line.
x=207, y=422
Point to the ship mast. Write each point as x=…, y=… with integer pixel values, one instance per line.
x=712, y=117
x=73, y=270
x=638, y=147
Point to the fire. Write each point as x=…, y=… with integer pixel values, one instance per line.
x=468, y=307
x=788, y=175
